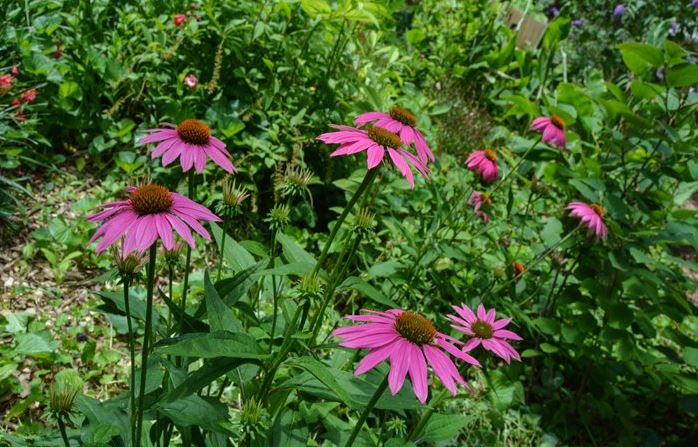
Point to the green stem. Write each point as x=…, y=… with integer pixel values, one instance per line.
x=187, y=264
x=170, y=278
x=61, y=427
x=146, y=340
x=332, y=284
x=132, y=353
x=223, y=238
x=274, y=294
x=372, y=403
x=368, y=179
x=427, y=414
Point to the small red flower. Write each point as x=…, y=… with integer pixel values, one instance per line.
x=20, y=115
x=5, y=83
x=29, y=95
x=179, y=19
x=15, y=102
x=14, y=71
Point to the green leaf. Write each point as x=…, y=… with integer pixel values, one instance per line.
x=690, y=356
x=220, y=316
x=684, y=75
x=206, y=413
x=684, y=192
x=215, y=344
x=289, y=430
x=366, y=289
x=234, y=253
x=203, y=376
x=414, y=36
x=30, y=343
x=444, y=427
x=324, y=374
x=294, y=252
x=640, y=57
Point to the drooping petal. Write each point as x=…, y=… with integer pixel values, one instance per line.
x=418, y=373
x=373, y=358
x=399, y=364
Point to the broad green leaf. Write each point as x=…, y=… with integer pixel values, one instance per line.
x=234, y=253
x=30, y=343
x=220, y=316
x=324, y=374
x=289, y=430
x=206, y=413
x=444, y=427
x=684, y=75
x=640, y=57
x=215, y=344
x=690, y=356
x=294, y=252
x=203, y=377
x=361, y=286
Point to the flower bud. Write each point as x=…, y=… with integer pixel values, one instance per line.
x=364, y=220
x=66, y=385
x=279, y=216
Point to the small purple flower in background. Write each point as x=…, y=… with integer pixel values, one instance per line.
x=618, y=11
x=554, y=11
x=577, y=23
x=694, y=4
x=660, y=73
x=190, y=81
x=674, y=29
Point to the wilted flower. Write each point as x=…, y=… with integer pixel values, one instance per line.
x=191, y=81
x=410, y=341
x=192, y=142
x=128, y=266
x=485, y=331
x=518, y=268
x=552, y=130
x=375, y=141
x=29, y=96
x=58, y=53
x=480, y=201
x=618, y=10
x=179, y=19
x=5, y=83
x=591, y=216
x=485, y=164
x=66, y=385
x=150, y=212
x=14, y=71
x=402, y=122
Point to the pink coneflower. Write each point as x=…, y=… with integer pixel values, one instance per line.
x=191, y=81
x=5, y=83
x=484, y=163
x=179, y=19
x=591, y=216
x=29, y=96
x=407, y=338
x=375, y=141
x=553, y=130
x=401, y=122
x=485, y=331
x=150, y=212
x=480, y=200
x=191, y=141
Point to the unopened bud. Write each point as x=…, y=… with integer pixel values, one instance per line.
x=66, y=385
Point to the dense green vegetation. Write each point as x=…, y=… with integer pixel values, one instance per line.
x=240, y=343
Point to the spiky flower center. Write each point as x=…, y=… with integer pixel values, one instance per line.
x=558, y=122
x=415, y=328
x=151, y=199
x=482, y=329
x=403, y=115
x=490, y=154
x=518, y=268
x=384, y=137
x=598, y=209
x=485, y=198
x=194, y=132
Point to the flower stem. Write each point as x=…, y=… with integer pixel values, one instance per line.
x=369, y=407
x=223, y=238
x=61, y=427
x=274, y=294
x=132, y=353
x=187, y=263
x=146, y=340
x=368, y=179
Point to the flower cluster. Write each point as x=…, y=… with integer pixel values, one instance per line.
x=411, y=342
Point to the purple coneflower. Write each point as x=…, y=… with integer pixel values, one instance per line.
x=150, y=212
x=484, y=163
x=402, y=122
x=552, y=129
x=591, y=216
x=410, y=341
x=480, y=201
x=192, y=142
x=375, y=141
x=485, y=331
